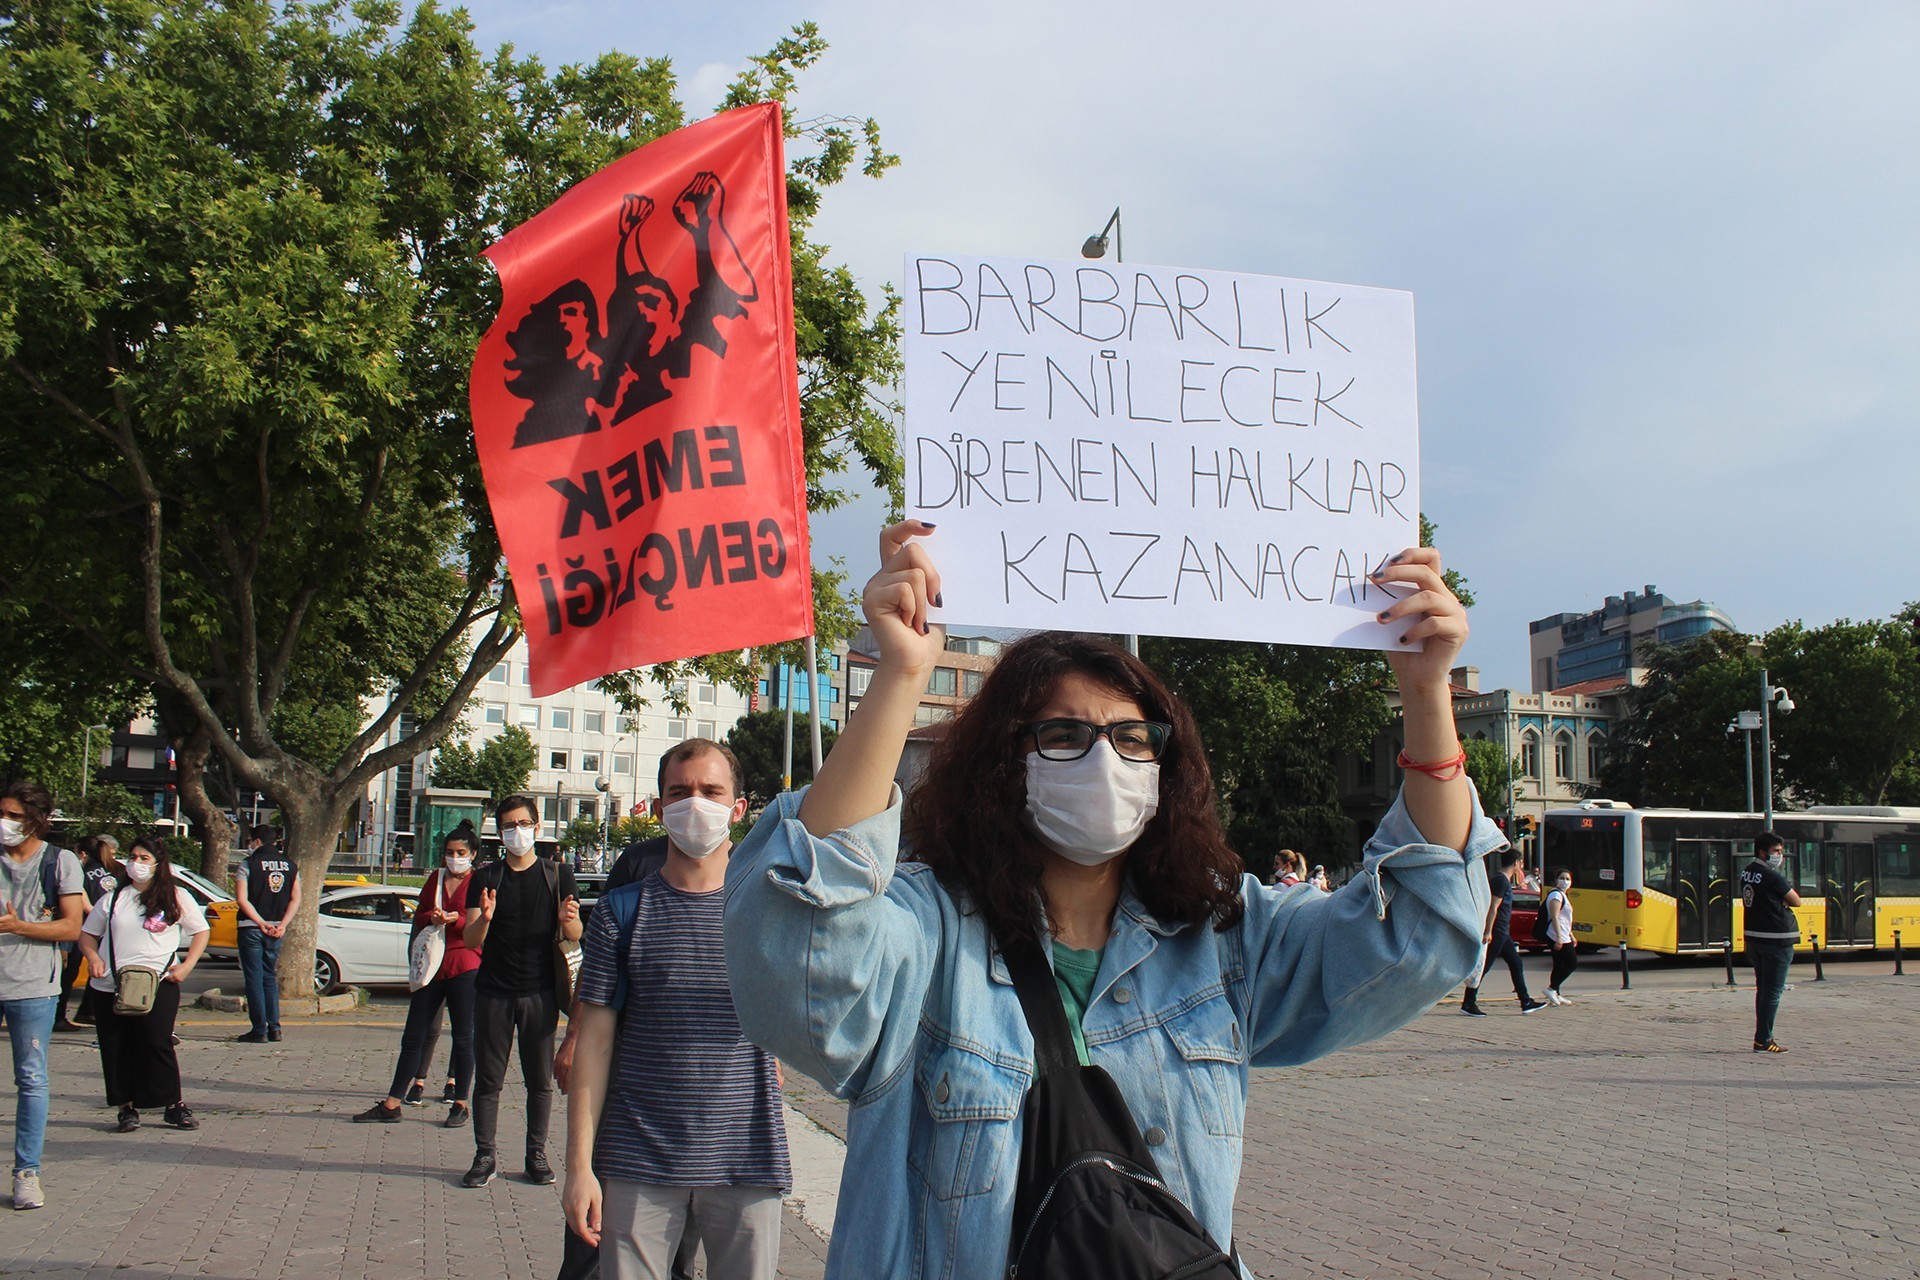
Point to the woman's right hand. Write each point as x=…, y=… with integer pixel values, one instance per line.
x=897, y=599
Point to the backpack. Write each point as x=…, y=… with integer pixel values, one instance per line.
x=50, y=891
x=1543, y=917
x=1089, y=1201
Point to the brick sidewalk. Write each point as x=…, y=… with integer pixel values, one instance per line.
x=1682, y=1153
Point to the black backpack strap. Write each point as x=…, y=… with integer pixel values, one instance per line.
x=1040, y=1000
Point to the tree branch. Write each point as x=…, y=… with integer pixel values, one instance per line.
x=403, y=697
x=498, y=642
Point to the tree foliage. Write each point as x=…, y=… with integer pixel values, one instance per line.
x=240, y=289
x=500, y=767
x=1493, y=774
x=756, y=738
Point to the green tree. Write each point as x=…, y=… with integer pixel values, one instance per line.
x=757, y=739
x=581, y=833
x=500, y=767
x=1670, y=745
x=1492, y=773
x=109, y=810
x=240, y=289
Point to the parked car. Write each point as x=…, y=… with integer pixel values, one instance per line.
x=223, y=912
x=363, y=937
x=1526, y=905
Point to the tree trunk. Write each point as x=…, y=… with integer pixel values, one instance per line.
x=216, y=832
x=313, y=819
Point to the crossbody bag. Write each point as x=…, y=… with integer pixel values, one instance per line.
x=134, y=988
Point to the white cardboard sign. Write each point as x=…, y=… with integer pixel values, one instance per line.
x=1160, y=450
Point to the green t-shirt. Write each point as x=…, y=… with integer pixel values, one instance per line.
x=1073, y=973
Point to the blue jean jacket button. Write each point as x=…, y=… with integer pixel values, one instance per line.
x=1156, y=1136
x=1121, y=995
x=940, y=1092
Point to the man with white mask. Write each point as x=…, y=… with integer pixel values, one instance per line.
x=672, y=1117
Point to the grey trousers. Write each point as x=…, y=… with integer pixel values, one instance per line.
x=640, y=1223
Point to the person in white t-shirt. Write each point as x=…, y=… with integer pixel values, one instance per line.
x=142, y=925
x=1566, y=951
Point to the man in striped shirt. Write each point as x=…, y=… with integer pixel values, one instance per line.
x=689, y=1122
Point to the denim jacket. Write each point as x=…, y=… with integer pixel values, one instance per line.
x=866, y=974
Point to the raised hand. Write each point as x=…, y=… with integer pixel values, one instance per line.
x=488, y=900
x=1428, y=612
x=897, y=598
x=634, y=212
x=698, y=207
x=569, y=910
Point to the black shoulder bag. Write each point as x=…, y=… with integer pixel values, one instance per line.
x=1090, y=1202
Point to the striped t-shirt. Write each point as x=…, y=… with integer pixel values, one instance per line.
x=692, y=1104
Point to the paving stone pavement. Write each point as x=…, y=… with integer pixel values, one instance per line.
x=1626, y=1137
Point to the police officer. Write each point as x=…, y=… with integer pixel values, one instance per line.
x=99, y=864
x=268, y=889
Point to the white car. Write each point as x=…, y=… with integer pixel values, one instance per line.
x=363, y=937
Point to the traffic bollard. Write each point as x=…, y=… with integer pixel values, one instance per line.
x=1729, y=950
x=1898, y=968
x=1819, y=970
x=1626, y=974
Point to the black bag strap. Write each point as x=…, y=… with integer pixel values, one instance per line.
x=112, y=904
x=1046, y=1014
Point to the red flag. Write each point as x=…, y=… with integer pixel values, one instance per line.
x=637, y=413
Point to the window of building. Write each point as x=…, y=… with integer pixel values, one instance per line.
x=500, y=674
x=496, y=713
x=944, y=683
x=706, y=729
x=1563, y=754
x=528, y=717
x=1368, y=768
x=1596, y=754
x=550, y=808
x=589, y=762
x=526, y=674
x=622, y=765
x=1529, y=753
x=924, y=714
x=593, y=722
x=858, y=678
x=558, y=760
x=707, y=693
x=970, y=682
x=590, y=809
x=676, y=729
x=561, y=718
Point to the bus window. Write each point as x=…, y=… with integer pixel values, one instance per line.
x=1657, y=856
x=1592, y=854
x=1899, y=867
x=1804, y=871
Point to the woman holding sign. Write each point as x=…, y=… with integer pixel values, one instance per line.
x=1045, y=1000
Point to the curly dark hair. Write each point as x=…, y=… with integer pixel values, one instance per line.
x=967, y=816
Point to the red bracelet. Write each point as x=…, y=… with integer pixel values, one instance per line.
x=1439, y=770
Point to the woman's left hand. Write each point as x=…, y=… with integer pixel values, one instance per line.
x=1429, y=612
x=177, y=973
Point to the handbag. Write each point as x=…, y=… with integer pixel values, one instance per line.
x=429, y=945
x=567, y=956
x=1089, y=1201
x=134, y=988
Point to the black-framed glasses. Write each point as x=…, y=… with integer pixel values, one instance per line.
x=1139, y=740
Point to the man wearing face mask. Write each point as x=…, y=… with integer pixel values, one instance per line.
x=1771, y=933
x=523, y=902
x=646, y=1153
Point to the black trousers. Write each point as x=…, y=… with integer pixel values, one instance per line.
x=1565, y=960
x=69, y=970
x=423, y=1029
x=136, y=1054
x=1503, y=947
x=496, y=1021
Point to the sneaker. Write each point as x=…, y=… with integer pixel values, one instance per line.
x=416, y=1095
x=1472, y=1010
x=1562, y=999
x=251, y=1037
x=63, y=1024
x=457, y=1116
x=1528, y=1006
x=539, y=1172
x=180, y=1116
x=1770, y=1046
x=1553, y=997
x=481, y=1173
x=449, y=1093
x=129, y=1119
x=82, y=1019
x=26, y=1190
x=378, y=1113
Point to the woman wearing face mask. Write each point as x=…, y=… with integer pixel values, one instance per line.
x=1566, y=952
x=443, y=901
x=1068, y=809
x=141, y=925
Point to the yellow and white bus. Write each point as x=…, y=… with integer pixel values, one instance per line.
x=1667, y=880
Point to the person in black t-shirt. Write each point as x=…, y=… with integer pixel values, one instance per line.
x=524, y=902
x=1771, y=932
x=267, y=890
x=99, y=864
x=1500, y=943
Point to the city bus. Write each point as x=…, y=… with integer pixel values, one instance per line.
x=1667, y=880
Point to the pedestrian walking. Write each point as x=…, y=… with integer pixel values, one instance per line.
x=688, y=1126
x=1499, y=934
x=267, y=887
x=527, y=905
x=443, y=906
x=1070, y=902
x=1772, y=932
x=130, y=938
x=43, y=905
x=1566, y=952
x=1289, y=869
x=99, y=864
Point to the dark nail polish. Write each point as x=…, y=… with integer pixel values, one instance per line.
x=926, y=524
x=1395, y=557
x=939, y=599
x=1405, y=638
x=1382, y=617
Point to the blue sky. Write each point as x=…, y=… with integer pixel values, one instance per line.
x=1665, y=256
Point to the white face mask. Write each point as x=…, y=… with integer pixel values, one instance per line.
x=12, y=832
x=1092, y=809
x=1563, y=885
x=517, y=840
x=1776, y=860
x=140, y=872
x=459, y=866
x=697, y=826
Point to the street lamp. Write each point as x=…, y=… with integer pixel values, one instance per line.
x=603, y=785
x=1096, y=247
x=1746, y=722
x=1770, y=694
x=86, y=755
